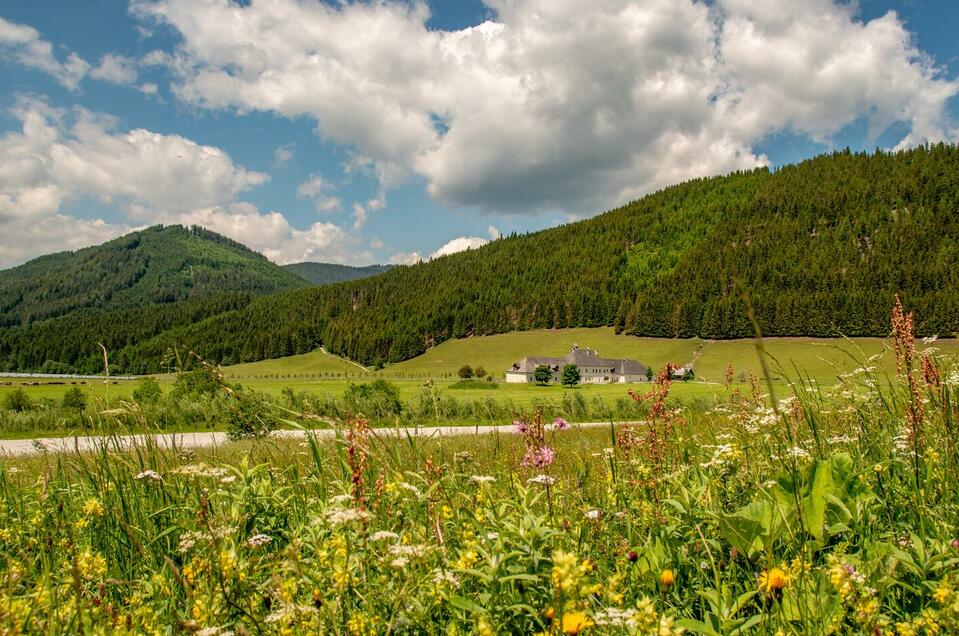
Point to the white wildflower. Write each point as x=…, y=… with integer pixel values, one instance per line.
x=593, y=514
x=412, y=551
x=546, y=480
x=259, y=540
x=410, y=488
x=214, y=631
x=445, y=577
x=616, y=617
x=841, y=439
x=201, y=470
x=482, y=479
x=343, y=516
x=383, y=535
x=340, y=500
x=152, y=475
x=797, y=452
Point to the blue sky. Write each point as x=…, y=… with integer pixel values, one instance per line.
x=377, y=132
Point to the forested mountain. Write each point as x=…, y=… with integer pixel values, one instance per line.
x=328, y=273
x=819, y=248
x=158, y=265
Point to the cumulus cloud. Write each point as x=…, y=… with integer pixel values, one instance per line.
x=271, y=234
x=453, y=246
x=406, y=258
x=318, y=189
x=116, y=69
x=556, y=104
x=459, y=244
x=23, y=44
x=60, y=157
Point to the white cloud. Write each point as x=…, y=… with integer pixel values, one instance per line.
x=271, y=234
x=312, y=187
x=148, y=88
x=116, y=69
x=22, y=239
x=24, y=44
x=282, y=155
x=459, y=244
x=60, y=157
x=318, y=189
x=493, y=233
x=359, y=216
x=556, y=104
x=406, y=258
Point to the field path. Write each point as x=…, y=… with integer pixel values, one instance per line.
x=86, y=444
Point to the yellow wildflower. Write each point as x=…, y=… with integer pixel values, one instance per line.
x=773, y=581
x=576, y=622
x=93, y=508
x=943, y=593
x=667, y=578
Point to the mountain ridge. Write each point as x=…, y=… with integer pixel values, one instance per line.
x=318, y=273
x=153, y=266
x=820, y=248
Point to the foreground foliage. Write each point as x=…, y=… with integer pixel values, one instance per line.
x=810, y=514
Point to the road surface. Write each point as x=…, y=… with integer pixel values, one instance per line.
x=21, y=447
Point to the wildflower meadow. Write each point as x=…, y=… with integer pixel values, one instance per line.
x=813, y=511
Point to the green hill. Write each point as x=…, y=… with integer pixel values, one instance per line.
x=818, y=249
x=496, y=353
x=159, y=265
x=328, y=273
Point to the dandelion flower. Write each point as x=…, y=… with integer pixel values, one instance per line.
x=576, y=622
x=668, y=578
x=773, y=581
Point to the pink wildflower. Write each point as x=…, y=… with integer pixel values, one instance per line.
x=559, y=424
x=539, y=457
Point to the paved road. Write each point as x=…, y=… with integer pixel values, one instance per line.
x=11, y=447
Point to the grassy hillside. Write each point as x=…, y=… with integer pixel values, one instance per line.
x=158, y=265
x=313, y=365
x=328, y=273
x=497, y=353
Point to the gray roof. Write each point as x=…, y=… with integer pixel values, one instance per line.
x=581, y=358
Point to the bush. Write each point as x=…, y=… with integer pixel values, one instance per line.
x=147, y=391
x=480, y=372
x=75, y=398
x=465, y=372
x=375, y=399
x=249, y=415
x=18, y=401
x=205, y=380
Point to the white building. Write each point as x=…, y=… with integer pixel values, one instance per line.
x=592, y=368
